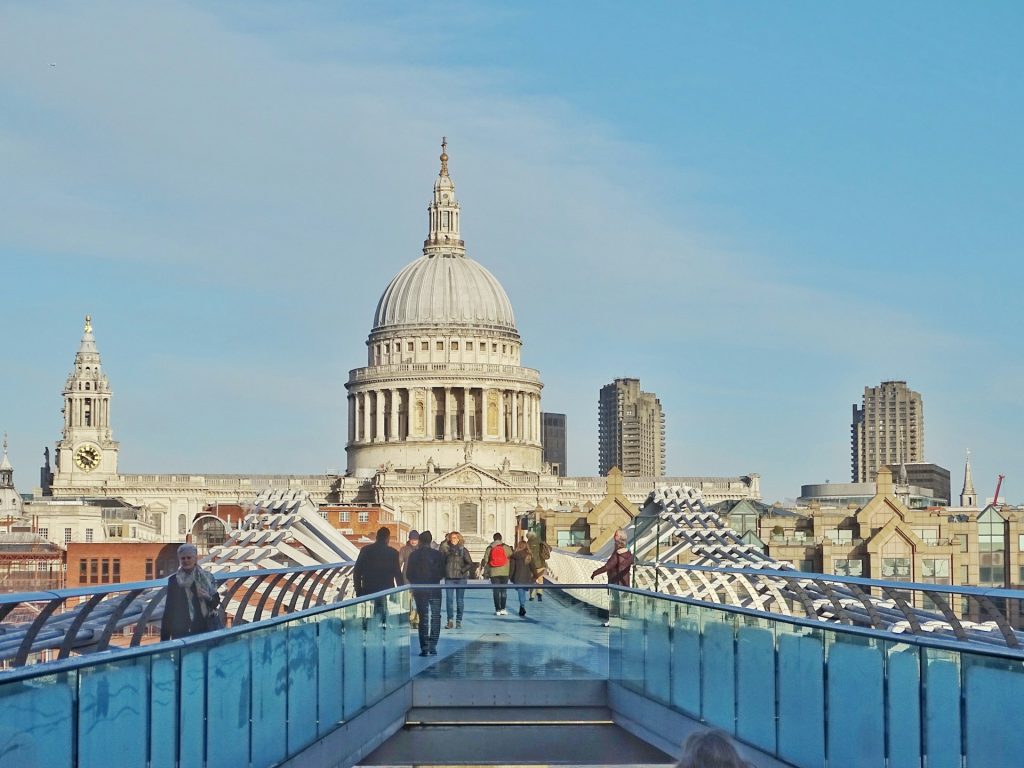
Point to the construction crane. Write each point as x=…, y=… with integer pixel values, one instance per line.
x=999, y=484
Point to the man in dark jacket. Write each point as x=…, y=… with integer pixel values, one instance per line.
x=426, y=566
x=377, y=569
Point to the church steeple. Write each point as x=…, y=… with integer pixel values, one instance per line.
x=86, y=452
x=6, y=470
x=968, y=496
x=443, y=237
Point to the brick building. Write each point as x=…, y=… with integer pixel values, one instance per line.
x=119, y=563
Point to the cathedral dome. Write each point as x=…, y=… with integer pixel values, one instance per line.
x=441, y=289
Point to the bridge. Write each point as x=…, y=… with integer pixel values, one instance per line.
x=800, y=669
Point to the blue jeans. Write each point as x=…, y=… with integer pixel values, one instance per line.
x=428, y=604
x=455, y=600
x=522, y=596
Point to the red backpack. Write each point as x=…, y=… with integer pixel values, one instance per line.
x=498, y=558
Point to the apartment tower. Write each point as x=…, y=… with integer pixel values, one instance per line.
x=631, y=430
x=887, y=429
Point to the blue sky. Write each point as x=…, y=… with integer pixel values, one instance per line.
x=756, y=209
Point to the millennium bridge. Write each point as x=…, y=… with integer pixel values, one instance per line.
x=801, y=669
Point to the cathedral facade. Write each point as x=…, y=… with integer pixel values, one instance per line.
x=444, y=422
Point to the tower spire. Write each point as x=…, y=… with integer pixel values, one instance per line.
x=443, y=212
x=968, y=496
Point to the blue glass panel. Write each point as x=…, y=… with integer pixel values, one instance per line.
x=329, y=672
x=657, y=664
x=631, y=614
x=755, y=686
x=269, y=659
x=163, y=711
x=191, y=742
x=37, y=721
x=227, y=703
x=355, y=683
x=904, y=701
x=718, y=681
x=686, y=665
x=302, y=696
x=112, y=713
x=374, y=658
x=856, y=706
x=801, y=686
x=942, y=709
x=993, y=719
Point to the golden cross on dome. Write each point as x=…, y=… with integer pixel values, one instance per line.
x=444, y=155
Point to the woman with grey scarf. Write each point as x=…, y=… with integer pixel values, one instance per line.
x=192, y=598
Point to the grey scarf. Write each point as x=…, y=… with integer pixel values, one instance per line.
x=204, y=584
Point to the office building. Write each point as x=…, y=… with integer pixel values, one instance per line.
x=552, y=441
x=887, y=429
x=631, y=430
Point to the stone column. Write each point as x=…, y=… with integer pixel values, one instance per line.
x=351, y=418
x=515, y=416
x=378, y=397
x=446, y=422
x=466, y=400
x=501, y=415
x=395, y=400
x=367, y=427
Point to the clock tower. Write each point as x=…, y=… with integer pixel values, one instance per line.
x=86, y=452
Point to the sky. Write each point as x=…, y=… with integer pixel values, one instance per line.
x=756, y=209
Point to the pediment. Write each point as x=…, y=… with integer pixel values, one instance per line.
x=466, y=476
x=895, y=527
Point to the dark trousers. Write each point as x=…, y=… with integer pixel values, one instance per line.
x=500, y=595
x=455, y=600
x=428, y=605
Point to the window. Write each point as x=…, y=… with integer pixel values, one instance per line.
x=88, y=535
x=807, y=566
x=149, y=569
x=94, y=571
x=44, y=532
x=992, y=546
x=83, y=571
x=343, y=517
x=364, y=517
x=469, y=346
x=851, y=567
x=494, y=347
x=455, y=346
x=409, y=346
x=440, y=346
x=105, y=570
x=116, y=570
x=67, y=535
x=425, y=346
x=964, y=577
x=935, y=570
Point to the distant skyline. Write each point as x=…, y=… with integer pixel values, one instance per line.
x=757, y=211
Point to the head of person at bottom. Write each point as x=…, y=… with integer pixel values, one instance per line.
x=187, y=556
x=383, y=535
x=496, y=537
x=710, y=749
x=426, y=538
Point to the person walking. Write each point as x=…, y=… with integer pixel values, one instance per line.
x=521, y=572
x=426, y=566
x=539, y=553
x=618, y=568
x=496, y=567
x=377, y=568
x=403, y=558
x=192, y=599
x=458, y=568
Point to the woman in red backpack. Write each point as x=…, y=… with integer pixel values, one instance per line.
x=496, y=566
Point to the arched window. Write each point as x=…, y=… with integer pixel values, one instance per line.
x=181, y=525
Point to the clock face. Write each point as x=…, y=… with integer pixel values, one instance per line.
x=87, y=457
